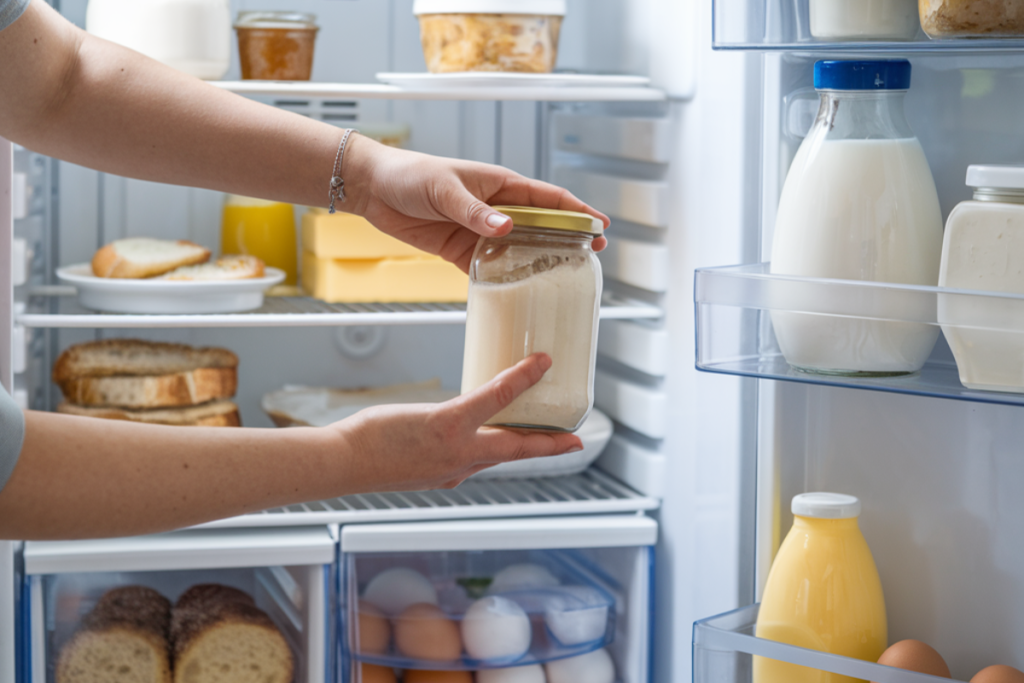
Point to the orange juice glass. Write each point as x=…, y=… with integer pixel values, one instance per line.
x=263, y=229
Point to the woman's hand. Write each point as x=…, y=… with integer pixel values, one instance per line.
x=428, y=446
x=441, y=205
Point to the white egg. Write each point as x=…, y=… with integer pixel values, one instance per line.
x=534, y=673
x=593, y=667
x=495, y=628
x=522, y=577
x=395, y=589
x=577, y=614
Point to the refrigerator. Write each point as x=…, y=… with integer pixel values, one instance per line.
x=680, y=518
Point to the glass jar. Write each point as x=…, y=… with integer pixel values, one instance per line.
x=859, y=203
x=538, y=289
x=276, y=46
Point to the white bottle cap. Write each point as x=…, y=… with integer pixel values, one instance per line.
x=540, y=7
x=1010, y=177
x=826, y=505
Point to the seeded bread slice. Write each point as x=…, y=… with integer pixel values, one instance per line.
x=142, y=257
x=233, y=267
x=136, y=358
x=213, y=414
x=124, y=639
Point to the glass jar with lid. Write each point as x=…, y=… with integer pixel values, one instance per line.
x=276, y=46
x=537, y=289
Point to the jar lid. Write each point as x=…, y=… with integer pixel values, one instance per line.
x=532, y=217
x=826, y=505
x=873, y=74
x=276, y=20
x=541, y=7
x=1009, y=177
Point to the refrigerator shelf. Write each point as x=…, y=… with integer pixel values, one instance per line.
x=724, y=647
x=588, y=493
x=735, y=334
x=380, y=91
x=65, y=312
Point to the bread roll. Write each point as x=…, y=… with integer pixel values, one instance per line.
x=141, y=257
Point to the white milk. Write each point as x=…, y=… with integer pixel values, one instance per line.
x=552, y=312
x=857, y=210
x=864, y=19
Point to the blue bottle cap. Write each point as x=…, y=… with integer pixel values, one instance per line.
x=875, y=74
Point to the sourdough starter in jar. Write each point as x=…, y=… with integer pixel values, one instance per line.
x=536, y=290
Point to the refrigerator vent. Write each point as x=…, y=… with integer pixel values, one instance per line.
x=587, y=493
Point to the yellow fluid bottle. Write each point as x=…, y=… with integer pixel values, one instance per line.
x=823, y=591
x=262, y=229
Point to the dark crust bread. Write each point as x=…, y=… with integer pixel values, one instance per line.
x=210, y=607
x=133, y=607
x=202, y=594
x=73, y=362
x=182, y=389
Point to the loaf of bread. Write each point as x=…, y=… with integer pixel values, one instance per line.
x=213, y=414
x=124, y=639
x=220, y=636
x=142, y=257
x=232, y=267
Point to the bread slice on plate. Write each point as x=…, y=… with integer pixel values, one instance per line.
x=142, y=257
x=232, y=267
x=213, y=414
x=124, y=639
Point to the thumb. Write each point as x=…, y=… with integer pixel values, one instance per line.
x=474, y=214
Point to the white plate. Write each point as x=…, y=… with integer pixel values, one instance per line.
x=490, y=79
x=167, y=296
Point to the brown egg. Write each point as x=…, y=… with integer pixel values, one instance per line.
x=377, y=674
x=914, y=655
x=413, y=676
x=374, y=629
x=998, y=673
x=423, y=631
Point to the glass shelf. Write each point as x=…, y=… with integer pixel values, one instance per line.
x=736, y=336
x=724, y=648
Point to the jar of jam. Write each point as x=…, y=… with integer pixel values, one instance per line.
x=537, y=289
x=276, y=46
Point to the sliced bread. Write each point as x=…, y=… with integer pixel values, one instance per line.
x=213, y=414
x=142, y=257
x=233, y=267
x=124, y=639
x=193, y=388
x=137, y=358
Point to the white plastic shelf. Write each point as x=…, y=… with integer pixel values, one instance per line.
x=377, y=91
x=65, y=312
x=584, y=494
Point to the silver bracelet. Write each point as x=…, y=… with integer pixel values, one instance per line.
x=337, y=190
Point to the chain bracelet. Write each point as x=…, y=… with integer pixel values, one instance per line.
x=337, y=190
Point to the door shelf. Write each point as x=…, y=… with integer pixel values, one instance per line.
x=735, y=334
x=724, y=648
x=65, y=312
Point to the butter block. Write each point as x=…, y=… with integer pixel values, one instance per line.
x=426, y=279
x=347, y=236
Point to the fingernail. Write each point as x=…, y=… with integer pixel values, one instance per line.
x=574, y=449
x=497, y=220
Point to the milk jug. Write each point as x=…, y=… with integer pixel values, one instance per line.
x=859, y=203
x=823, y=591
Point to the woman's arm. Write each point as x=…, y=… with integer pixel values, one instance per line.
x=73, y=96
x=80, y=477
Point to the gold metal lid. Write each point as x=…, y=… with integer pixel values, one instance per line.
x=554, y=219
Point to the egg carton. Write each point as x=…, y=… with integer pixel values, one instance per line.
x=472, y=611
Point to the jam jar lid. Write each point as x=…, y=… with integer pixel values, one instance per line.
x=554, y=219
x=532, y=7
x=292, y=20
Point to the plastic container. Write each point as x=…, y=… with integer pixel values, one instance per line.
x=859, y=203
x=276, y=46
x=490, y=35
x=193, y=36
x=437, y=610
x=967, y=19
x=263, y=229
x=983, y=249
x=537, y=289
x=864, y=19
x=823, y=592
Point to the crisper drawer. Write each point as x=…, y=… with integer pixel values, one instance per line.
x=217, y=601
x=438, y=601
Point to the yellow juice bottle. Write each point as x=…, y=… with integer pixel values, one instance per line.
x=823, y=591
x=262, y=229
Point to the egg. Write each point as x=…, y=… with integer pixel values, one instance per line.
x=534, y=673
x=576, y=614
x=522, y=577
x=998, y=673
x=374, y=630
x=423, y=631
x=414, y=676
x=395, y=589
x=593, y=667
x=914, y=655
x=495, y=628
x=377, y=674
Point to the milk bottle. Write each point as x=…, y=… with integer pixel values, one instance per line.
x=859, y=203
